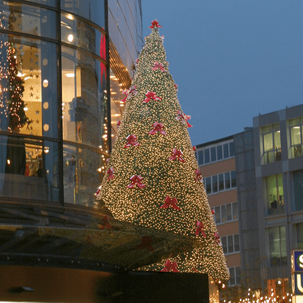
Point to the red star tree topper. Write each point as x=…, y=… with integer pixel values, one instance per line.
x=156, y=174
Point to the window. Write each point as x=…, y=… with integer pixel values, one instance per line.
x=216, y=153
x=230, y=244
x=271, y=141
x=214, y=183
x=299, y=232
x=208, y=185
x=277, y=246
x=226, y=213
x=298, y=189
x=235, y=276
x=296, y=137
x=220, y=182
x=274, y=194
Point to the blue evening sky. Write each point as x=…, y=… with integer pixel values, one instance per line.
x=232, y=59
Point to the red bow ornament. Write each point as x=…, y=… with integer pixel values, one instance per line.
x=155, y=23
x=158, y=65
x=125, y=92
x=199, y=229
x=136, y=180
x=187, y=118
x=217, y=238
x=132, y=91
x=98, y=191
x=137, y=61
x=194, y=148
x=146, y=243
x=151, y=95
x=168, y=201
x=158, y=127
x=131, y=141
x=170, y=267
x=183, y=118
x=176, y=87
x=110, y=173
x=176, y=154
x=198, y=175
x=213, y=211
x=118, y=123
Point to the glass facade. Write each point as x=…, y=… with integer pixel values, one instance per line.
x=277, y=246
x=274, y=194
x=271, y=143
x=54, y=78
x=296, y=137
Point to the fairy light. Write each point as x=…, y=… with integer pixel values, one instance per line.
x=161, y=176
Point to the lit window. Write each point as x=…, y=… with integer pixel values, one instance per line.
x=271, y=141
x=296, y=137
x=274, y=194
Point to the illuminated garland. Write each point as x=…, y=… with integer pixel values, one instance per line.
x=173, y=197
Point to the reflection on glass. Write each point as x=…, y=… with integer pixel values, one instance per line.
x=82, y=174
x=45, y=2
x=277, y=246
x=23, y=92
x=84, y=99
x=90, y=9
x=28, y=19
x=81, y=34
x=28, y=168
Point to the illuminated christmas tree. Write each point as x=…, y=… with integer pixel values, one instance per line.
x=153, y=179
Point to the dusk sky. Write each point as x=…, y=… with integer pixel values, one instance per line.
x=232, y=59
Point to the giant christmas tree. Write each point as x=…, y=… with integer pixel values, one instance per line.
x=153, y=179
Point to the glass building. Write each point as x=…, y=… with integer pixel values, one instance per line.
x=63, y=67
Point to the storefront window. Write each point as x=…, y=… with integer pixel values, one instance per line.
x=277, y=246
x=29, y=168
x=296, y=137
x=28, y=19
x=84, y=99
x=274, y=194
x=271, y=141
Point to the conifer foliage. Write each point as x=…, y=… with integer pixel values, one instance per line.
x=153, y=179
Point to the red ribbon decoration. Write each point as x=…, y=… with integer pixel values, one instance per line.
x=170, y=266
x=183, y=118
x=129, y=93
x=176, y=87
x=131, y=141
x=213, y=211
x=199, y=229
x=136, y=180
x=151, y=95
x=98, y=191
x=158, y=127
x=194, y=148
x=118, y=123
x=105, y=222
x=125, y=92
x=168, y=201
x=217, y=238
x=198, y=175
x=146, y=243
x=110, y=173
x=176, y=154
x=158, y=65
x=155, y=23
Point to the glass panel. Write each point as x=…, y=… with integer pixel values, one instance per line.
x=277, y=140
x=215, y=183
x=298, y=189
x=268, y=142
x=28, y=19
x=206, y=155
x=29, y=168
x=219, y=152
x=223, y=213
x=90, y=9
x=228, y=212
x=200, y=153
x=295, y=134
x=283, y=246
x=224, y=244
x=272, y=197
x=235, y=210
x=274, y=246
x=233, y=179
x=218, y=214
x=230, y=244
x=221, y=182
x=45, y=2
x=231, y=149
x=225, y=149
x=81, y=174
x=208, y=185
x=238, y=275
x=267, y=129
x=232, y=276
x=280, y=194
x=213, y=154
x=295, y=122
x=33, y=72
x=84, y=98
x=79, y=33
x=227, y=180
x=236, y=243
